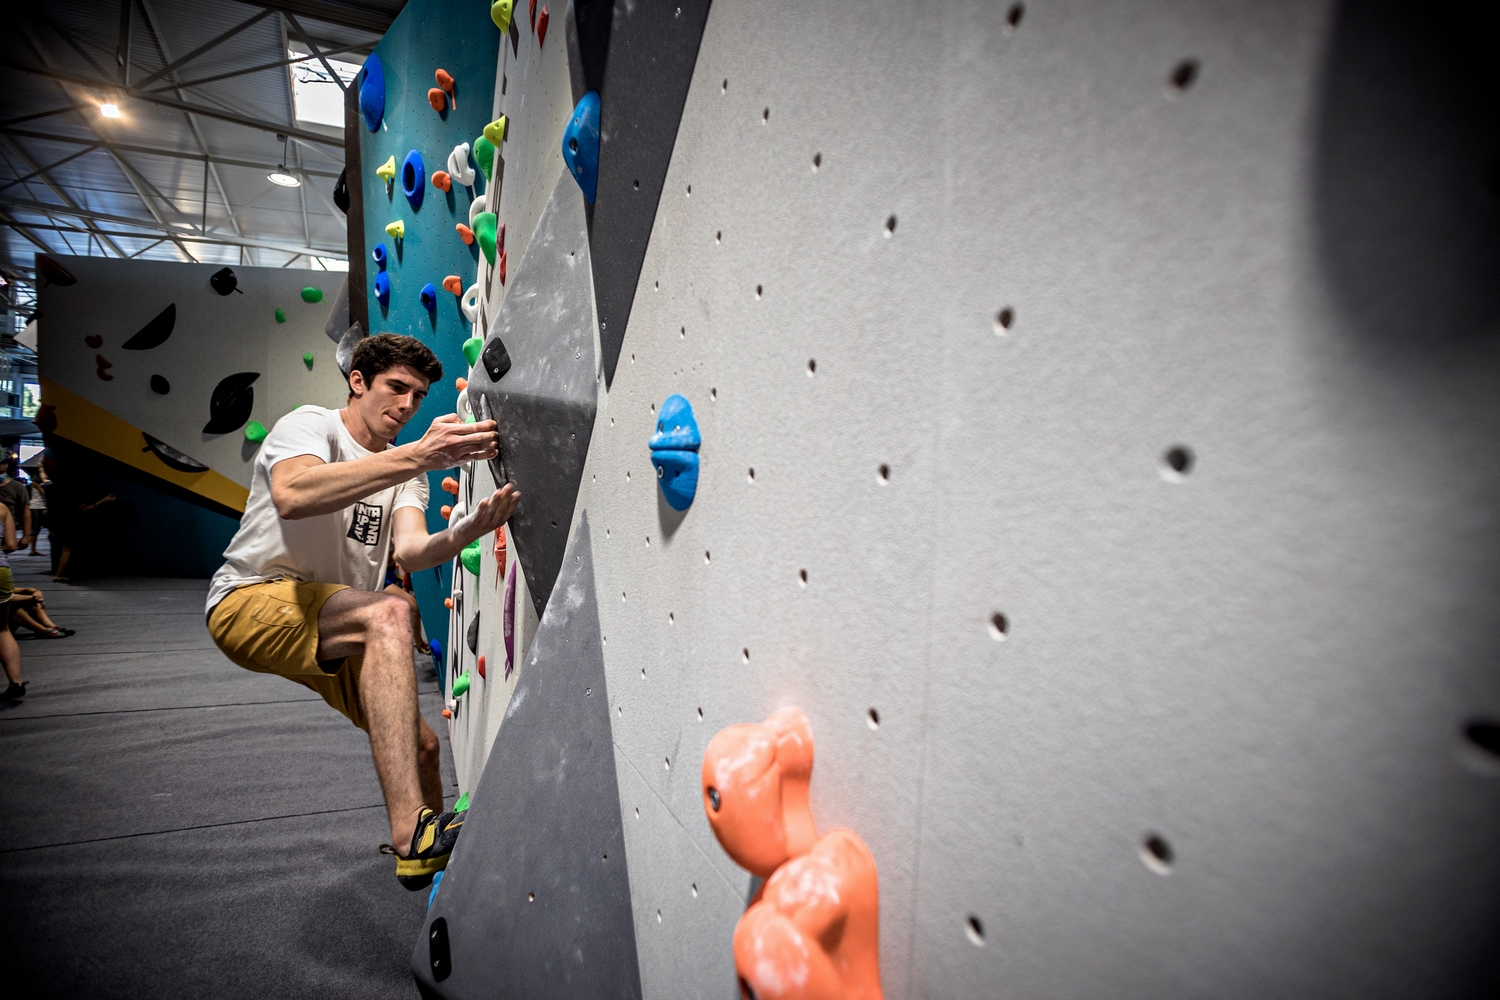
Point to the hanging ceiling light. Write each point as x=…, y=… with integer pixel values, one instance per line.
x=279, y=176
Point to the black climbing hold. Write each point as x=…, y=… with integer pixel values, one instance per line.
x=473, y=636
x=52, y=272
x=224, y=281
x=229, y=407
x=341, y=191
x=438, y=958
x=160, y=386
x=171, y=457
x=154, y=333
x=496, y=359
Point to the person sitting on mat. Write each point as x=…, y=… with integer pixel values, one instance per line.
x=28, y=609
x=10, y=653
x=300, y=594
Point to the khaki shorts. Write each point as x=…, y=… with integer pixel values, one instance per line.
x=272, y=628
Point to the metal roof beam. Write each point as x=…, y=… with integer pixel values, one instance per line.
x=305, y=39
x=176, y=154
x=338, y=50
x=333, y=12
x=52, y=166
x=212, y=43
x=67, y=199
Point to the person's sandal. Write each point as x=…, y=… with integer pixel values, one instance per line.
x=432, y=843
x=15, y=692
x=52, y=633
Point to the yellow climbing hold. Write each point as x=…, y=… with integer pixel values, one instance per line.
x=397, y=230
x=387, y=170
x=500, y=13
x=495, y=131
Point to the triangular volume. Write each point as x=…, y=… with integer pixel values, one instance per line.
x=653, y=48
x=544, y=402
x=536, y=900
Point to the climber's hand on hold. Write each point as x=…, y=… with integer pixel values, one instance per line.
x=449, y=442
x=487, y=515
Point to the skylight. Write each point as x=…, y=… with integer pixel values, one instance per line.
x=315, y=96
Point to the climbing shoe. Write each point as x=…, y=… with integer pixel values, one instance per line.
x=431, y=844
x=14, y=693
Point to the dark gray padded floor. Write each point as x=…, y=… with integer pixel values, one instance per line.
x=178, y=827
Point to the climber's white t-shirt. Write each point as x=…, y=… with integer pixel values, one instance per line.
x=348, y=546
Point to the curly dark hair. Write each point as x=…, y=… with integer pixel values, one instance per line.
x=385, y=351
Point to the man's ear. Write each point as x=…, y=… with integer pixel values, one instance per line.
x=357, y=385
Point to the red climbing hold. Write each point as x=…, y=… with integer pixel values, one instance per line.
x=106, y=376
x=502, y=269
x=500, y=238
x=437, y=99
x=450, y=485
x=99, y=360
x=94, y=340
x=541, y=28
x=531, y=8
x=480, y=666
x=465, y=233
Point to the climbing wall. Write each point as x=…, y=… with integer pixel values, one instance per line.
x=161, y=372
x=1097, y=411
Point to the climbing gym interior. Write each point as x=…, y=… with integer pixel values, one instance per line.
x=1009, y=490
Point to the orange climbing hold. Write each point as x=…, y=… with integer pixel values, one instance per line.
x=448, y=601
x=453, y=283
x=445, y=81
x=480, y=665
x=447, y=714
x=460, y=383
x=437, y=99
x=446, y=510
x=812, y=932
x=465, y=233
x=541, y=27
x=450, y=485
x=442, y=181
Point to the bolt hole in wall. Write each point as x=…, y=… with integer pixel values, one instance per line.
x=700, y=715
x=694, y=889
x=974, y=928
x=802, y=577
x=817, y=162
x=883, y=474
x=890, y=227
x=999, y=627
x=1176, y=463
x=1157, y=853
x=751, y=474
x=758, y=291
x=872, y=718
x=812, y=367
x=1183, y=77
x=765, y=116
x=1003, y=319
x=1480, y=748
x=1013, y=16
x=745, y=655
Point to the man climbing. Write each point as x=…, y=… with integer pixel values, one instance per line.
x=299, y=592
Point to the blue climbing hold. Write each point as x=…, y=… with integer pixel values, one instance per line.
x=677, y=475
x=372, y=92
x=676, y=430
x=674, y=451
x=429, y=297
x=383, y=288
x=436, y=646
x=413, y=179
x=580, y=145
x=379, y=254
x=437, y=880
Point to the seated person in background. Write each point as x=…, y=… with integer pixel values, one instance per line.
x=10, y=653
x=300, y=592
x=28, y=609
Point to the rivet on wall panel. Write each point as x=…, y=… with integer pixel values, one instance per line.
x=1177, y=462
x=1157, y=854
x=1183, y=76
x=999, y=627
x=975, y=929
x=1013, y=17
x=1003, y=319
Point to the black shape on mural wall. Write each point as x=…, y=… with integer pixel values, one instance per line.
x=154, y=333
x=160, y=385
x=171, y=457
x=52, y=272
x=224, y=281
x=653, y=48
x=229, y=407
x=536, y=900
x=544, y=406
x=473, y=635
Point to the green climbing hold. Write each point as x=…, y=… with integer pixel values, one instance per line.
x=470, y=557
x=484, y=155
x=472, y=347
x=462, y=803
x=255, y=431
x=461, y=685
x=307, y=359
x=312, y=295
x=280, y=316
x=484, y=231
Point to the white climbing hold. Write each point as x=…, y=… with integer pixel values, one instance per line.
x=458, y=165
x=470, y=302
x=476, y=208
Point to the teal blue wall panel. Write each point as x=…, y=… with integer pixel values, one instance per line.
x=464, y=41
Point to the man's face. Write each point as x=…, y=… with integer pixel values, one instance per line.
x=386, y=405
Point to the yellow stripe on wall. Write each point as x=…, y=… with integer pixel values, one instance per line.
x=94, y=427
